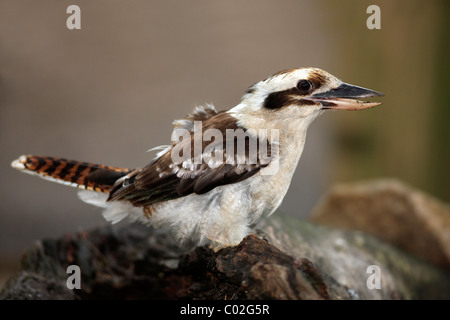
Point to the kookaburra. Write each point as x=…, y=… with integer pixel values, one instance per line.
x=209, y=192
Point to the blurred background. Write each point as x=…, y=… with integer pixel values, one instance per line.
x=109, y=92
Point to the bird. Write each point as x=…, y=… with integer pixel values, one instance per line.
x=223, y=170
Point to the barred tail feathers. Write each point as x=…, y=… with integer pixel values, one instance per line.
x=83, y=175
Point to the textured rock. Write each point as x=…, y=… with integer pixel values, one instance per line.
x=391, y=211
x=295, y=259
x=342, y=258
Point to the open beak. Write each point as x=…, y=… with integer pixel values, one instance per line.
x=344, y=98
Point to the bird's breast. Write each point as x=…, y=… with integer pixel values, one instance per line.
x=271, y=186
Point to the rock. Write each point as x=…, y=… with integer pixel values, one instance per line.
x=290, y=259
x=32, y=286
x=391, y=211
x=343, y=257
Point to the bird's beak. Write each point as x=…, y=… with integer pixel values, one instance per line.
x=344, y=98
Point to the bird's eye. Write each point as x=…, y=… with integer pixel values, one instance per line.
x=304, y=86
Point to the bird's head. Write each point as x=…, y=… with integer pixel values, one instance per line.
x=301, y=94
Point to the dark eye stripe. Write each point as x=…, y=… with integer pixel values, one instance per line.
x=280, y=99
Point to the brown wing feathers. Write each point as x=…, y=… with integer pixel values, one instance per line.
x=163, y=180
